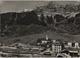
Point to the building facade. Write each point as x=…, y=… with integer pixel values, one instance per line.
x=56, y=47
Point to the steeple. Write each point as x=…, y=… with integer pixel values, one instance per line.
x=46, y=37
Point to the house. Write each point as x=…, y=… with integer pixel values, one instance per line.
x=69, y=44
x=72, y=44
x=44, y=41
x=76, y=45
x=73, y=52
x=56, y=47
x=53, y=41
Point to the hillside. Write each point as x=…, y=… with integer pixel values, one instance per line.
x=32, y=38
x=24, y=23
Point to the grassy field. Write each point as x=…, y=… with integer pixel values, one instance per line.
x=32, y=38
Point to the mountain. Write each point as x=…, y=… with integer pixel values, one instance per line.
x=27, y=27
x=44, y=18
x=19, y=23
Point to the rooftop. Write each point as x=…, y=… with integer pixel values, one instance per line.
x=57, y=44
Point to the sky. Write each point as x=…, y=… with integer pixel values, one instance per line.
x=16, y=5
x=20, y=5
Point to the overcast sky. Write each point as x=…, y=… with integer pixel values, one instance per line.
x=20, y=5
x=16, y=5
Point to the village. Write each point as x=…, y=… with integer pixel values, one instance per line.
x=50, y=30
x=44, y=47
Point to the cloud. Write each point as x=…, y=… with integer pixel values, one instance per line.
x=1, y=1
